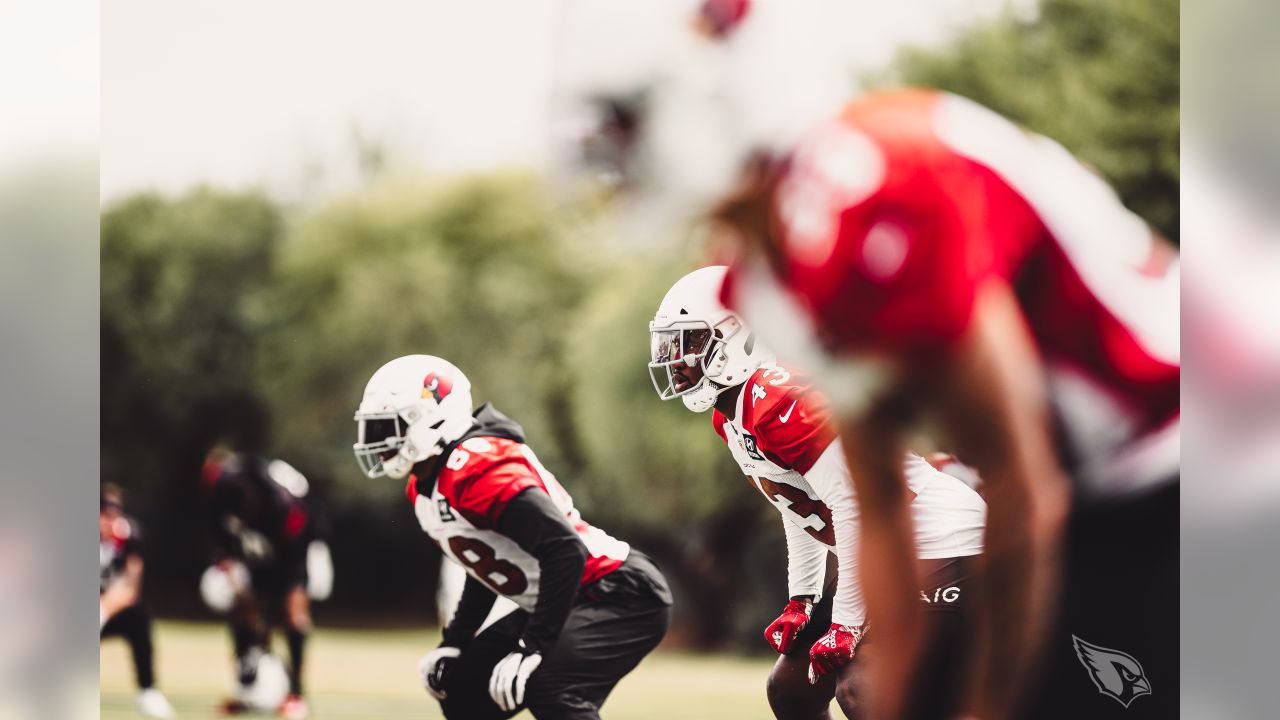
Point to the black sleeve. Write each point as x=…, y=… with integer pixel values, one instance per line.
x=541, y=529
x=220, y=506
x=473, y=608
x=318, y=527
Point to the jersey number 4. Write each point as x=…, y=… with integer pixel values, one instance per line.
x=504, y=577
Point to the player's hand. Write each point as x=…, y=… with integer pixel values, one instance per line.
x=319, y=570
x=834, y=650
x=511, y=675
x=434, y=668
x=781, y=633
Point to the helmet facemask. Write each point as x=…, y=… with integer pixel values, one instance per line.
x=690, y=343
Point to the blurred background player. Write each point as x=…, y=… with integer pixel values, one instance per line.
x=782, y=434
x=270, y=559
x=120, y=609
x=590, y=606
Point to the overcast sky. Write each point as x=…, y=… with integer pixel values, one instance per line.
x=237, y=92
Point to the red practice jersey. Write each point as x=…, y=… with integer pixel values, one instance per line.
x=783, y=437
x=461, y=509
x=780, y=424
x=896, y=213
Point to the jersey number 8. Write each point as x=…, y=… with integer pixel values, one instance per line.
x=481, y=559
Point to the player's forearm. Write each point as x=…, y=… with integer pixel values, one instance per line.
x=806, y=563
x=891, y=591
x=133, y=572
x=538, y=527
x=830, y=478
x=886, y=554
x=1019, y=584
x=473, y=607
x=995, y=409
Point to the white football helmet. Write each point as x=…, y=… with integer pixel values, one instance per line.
x=692, y=328
x=412, y=408
x=270, y=682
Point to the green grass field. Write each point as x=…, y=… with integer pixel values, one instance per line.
x=370, y=674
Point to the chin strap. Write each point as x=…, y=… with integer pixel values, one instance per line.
x=704, y=397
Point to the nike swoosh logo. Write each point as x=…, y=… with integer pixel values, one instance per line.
x=787, y=415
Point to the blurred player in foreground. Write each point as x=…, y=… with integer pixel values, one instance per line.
x=590, y=606
x=270, y=559
x=940, y=263
x=120, y=609
x=781, y=433
x=936, y=266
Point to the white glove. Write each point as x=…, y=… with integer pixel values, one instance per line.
x=319, y=571
x=433, y=666
x=510, y=675
x=221, y=583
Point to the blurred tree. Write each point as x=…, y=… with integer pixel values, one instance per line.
x=221, y=321
x=1098, y=76
x=472, y=272
x=179, y=340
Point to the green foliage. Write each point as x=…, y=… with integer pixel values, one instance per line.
x=218, y=315
x=1098, y=76
x=474, y=273
x=178, y=339
x=655, y=463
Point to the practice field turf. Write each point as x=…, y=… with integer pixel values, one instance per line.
x=371, y=674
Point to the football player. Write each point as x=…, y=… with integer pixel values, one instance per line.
x=937, y=261
x=934, y=264
x=270, y=557
x=120, y=609
x=590, y=606
x=781, y=432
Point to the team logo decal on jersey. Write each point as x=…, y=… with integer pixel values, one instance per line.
x=946, y=595
x=784, y=417
x=1116, y=674
x=435, y=386
x=446, y=512
x=749, y=444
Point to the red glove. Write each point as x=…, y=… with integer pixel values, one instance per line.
x=834, y=650
x=782, y=632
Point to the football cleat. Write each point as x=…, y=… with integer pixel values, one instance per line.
x=294, y=707
x=153, y=704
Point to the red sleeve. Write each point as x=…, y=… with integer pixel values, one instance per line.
x=808, y=430
x=487, y=496
x=482, y=475
x=717, y=421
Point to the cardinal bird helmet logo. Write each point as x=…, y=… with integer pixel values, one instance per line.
x=436, y=386
x=1116, y=674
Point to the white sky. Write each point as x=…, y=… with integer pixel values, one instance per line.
x=49, y=81
x=236, y=92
